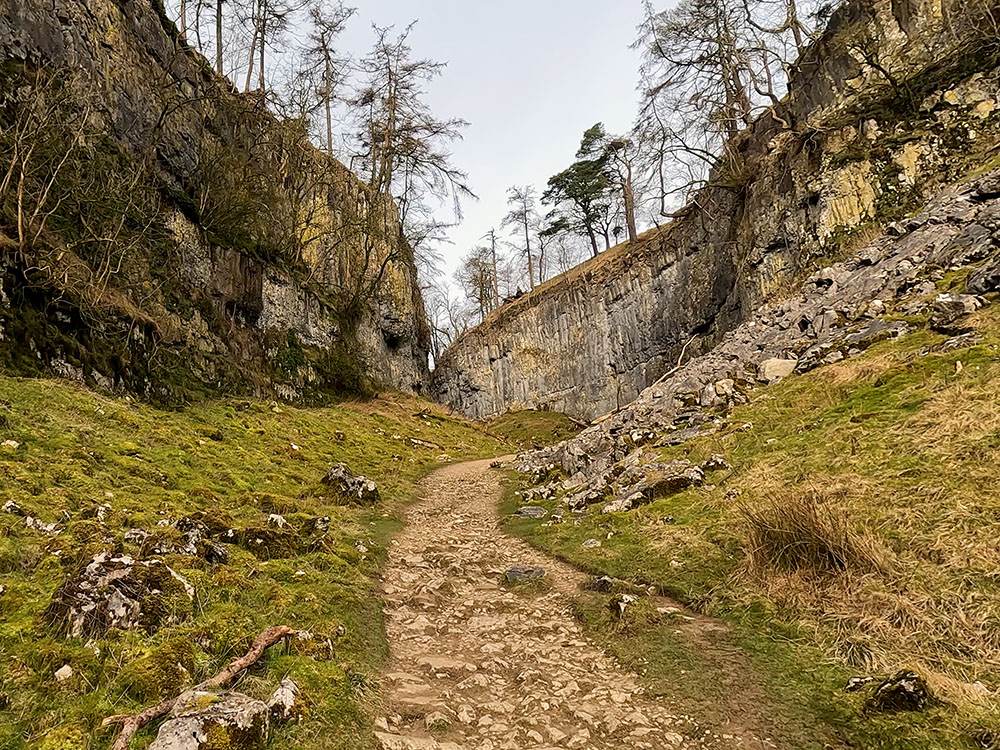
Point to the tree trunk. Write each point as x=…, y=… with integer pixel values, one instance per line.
x=184, y=20
x=593, y=238
x=263, y=44
x=628, y=193
x=253, y=50
x=496, y=274
x=527, y=249
x=327, y=95
x=218, y=37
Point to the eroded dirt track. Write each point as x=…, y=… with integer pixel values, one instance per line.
x=476, y=666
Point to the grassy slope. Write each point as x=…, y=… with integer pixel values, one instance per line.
x=899, y=448
x=533, y=429
x=233, y=459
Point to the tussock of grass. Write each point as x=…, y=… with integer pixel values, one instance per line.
x=234, y=462
x=807, y=532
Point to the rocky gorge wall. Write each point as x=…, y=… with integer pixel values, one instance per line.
x=845, y=153
x=202, y=289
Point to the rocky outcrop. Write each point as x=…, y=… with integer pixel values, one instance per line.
x=120, y=593
x=242, y=261
x=843, y=155
x=837, y=313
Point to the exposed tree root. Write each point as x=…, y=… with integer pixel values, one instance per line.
x=130, y=724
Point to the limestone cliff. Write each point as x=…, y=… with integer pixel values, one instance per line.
x=191, y=240
x=844, y=154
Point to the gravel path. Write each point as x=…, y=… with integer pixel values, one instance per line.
x=476, y=666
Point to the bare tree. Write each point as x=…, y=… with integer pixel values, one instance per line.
x=523, y=216
x=401, y=144
x=326, y=26
x=269, y=20
x=477, y=279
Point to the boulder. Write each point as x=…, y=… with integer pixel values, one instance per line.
x=985, y=279
x=674, y=482
x=351, y=488
x=624, y=503
x=715, y=463
x=119, y=593
x=773, y=370
x=529, y=511
x=949, y=309
x=214, y=721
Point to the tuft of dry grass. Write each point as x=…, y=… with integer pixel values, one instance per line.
x=807, y=532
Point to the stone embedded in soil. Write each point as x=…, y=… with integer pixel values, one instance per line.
x=351, y=488
x=531, y=512
x=773, y=370
x=285, y=703
x=207, y=721
x=524, y=573
x=950, y=309
x=904, y=691
x=119, y=593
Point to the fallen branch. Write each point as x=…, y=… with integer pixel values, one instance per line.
x=131, y=724
x=680, y=359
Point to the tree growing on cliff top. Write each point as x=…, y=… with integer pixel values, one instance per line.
x=320, y=54
x=579, y=195
x=476, y=276
x=401, y=146
x=709, y=67
x=524, y=218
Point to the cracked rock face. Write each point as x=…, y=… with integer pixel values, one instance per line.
x=213, y=721
x=591, y=340
x=119, y=593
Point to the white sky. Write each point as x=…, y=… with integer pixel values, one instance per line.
x=529, y=75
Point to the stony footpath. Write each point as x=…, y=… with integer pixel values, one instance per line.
x=478, y=665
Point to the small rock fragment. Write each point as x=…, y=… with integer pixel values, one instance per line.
x=524, y=573
x=285, y=703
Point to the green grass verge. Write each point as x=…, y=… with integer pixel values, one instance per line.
x=235, y=460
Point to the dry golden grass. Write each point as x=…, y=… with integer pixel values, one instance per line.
x=808, y=531
x=862, y=369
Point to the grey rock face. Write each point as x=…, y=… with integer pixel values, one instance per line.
x=602, y=464
x=243, y=310
x=591, y=341
x=350, y=487
x=119, y=593
x=200, y=720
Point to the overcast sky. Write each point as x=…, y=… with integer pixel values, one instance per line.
x=529, y=75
